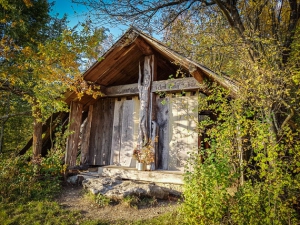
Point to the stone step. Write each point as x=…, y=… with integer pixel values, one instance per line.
x=156, y=176
x=87, y=174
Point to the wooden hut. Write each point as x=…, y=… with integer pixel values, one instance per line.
x=144, y=102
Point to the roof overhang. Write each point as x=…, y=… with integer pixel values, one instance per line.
x=120, y=64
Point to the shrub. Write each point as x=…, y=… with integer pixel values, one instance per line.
x=205, y=193
x=24, y=181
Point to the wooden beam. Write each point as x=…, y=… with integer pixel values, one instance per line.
x=197, y=74
x=182, y=84
x=122, y=90
x=73, y=139
x=144, y=47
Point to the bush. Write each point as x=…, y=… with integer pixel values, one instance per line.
x=250, y=173
x=25, y=181
x=205, y=193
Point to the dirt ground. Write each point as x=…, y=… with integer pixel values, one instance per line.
x=73, y=198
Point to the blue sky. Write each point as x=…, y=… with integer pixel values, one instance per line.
x=76, y=13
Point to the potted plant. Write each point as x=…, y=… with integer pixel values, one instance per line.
x=137, y=155
x=147, y=155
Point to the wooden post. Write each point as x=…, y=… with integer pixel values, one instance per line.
x=154, y=129
x=73, y=139
x=86, y=138
x=144, y=86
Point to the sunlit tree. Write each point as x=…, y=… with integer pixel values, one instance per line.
x=41, y=60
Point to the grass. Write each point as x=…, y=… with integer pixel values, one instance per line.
x=171, y=218
x=48, y=213
x=38, y=212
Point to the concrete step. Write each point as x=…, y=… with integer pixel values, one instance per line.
x=156, y=176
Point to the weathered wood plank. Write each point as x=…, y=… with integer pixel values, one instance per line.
x=191, y=132
x=101, y=129
x=73, y=139
x=108, y=109
x=180, y=84
x=95, y=135
x=116, y=134
x=174, y=131
x=184, y=137
x=86, y=138
x=157, y=86
x=122, y=90
x=127, y=132
x=136, y=120
x=162, y=119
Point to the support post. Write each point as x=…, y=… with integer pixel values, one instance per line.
x=73, y=139
x=144, y=86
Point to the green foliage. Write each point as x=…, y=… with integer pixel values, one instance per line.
x=131, y=201
x=40, y=60
x=24, y=20
x=102, y=200
x=36, y=212
x=99, y=199
x=244, y=177
x=206, y=190
x=24, y=181
x=172, y=218
x=266, y=203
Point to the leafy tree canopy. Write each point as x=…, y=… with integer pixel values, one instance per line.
x=41, y=59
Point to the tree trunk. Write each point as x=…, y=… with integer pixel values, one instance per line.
x=37, y=133
x=1, y=135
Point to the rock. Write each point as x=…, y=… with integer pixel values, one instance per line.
x=116, y=188
x=73, y=179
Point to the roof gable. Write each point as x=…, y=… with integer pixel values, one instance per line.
x=120, y=63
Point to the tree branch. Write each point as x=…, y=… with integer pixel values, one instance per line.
x=27, y=113
x=289, y=117
x=5, y=86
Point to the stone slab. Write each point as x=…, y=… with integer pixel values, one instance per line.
x=156, y=176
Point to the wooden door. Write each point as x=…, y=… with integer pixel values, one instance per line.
x=101, y=130
x=125, y=131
